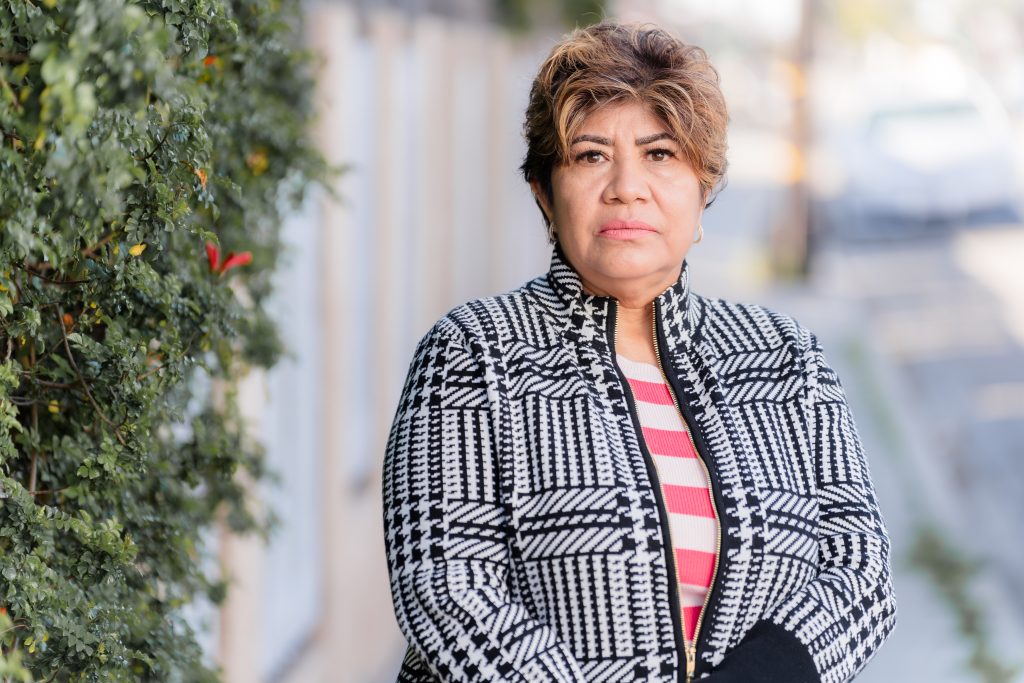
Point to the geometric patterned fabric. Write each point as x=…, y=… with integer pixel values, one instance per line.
x=524, y=536
x=684, y=483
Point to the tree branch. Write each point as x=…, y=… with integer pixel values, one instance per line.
x=46, y=383
x=35, y=428
x=81, y=379
x=159, y=144
x=20, y=401
x=44, y=492
x=91, y=251
x=14, y=97
x=34, y=273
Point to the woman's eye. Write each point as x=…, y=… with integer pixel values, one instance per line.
x=591, y=156
x=660, y=154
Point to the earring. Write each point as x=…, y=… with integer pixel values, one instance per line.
x=551, y=232
x=700, y=233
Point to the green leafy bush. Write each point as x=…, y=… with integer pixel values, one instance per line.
x=134, y=133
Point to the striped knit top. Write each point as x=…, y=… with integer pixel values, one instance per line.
x=693, y=528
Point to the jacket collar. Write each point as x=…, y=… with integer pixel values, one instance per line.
x=586, y=315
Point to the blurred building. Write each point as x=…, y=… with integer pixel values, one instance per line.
x=422, y=103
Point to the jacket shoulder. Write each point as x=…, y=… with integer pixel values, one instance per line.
x=496, y=320
x=730, y=326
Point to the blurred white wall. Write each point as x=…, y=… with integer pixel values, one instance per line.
x=425, y=114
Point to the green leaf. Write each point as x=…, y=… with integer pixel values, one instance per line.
x=130, y=459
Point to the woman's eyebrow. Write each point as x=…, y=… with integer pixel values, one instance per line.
x=646, y=140
x=596, y=139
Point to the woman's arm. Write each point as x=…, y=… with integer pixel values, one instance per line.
x=446, y=529
x=830, y=629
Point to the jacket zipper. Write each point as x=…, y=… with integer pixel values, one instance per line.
x=691, y=647
x=677, y=615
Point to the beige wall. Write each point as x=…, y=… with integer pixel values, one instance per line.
x=427, y=115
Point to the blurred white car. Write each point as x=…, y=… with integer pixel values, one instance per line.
x=917, y=158
x=943, y=160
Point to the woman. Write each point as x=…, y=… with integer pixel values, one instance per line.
x=602, y=476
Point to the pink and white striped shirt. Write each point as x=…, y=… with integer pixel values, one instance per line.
x=693, y=528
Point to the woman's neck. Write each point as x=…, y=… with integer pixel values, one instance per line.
x=635, y=327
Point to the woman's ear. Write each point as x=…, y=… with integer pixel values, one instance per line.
x=541, y=199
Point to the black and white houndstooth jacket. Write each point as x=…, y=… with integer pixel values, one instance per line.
x=525, y=534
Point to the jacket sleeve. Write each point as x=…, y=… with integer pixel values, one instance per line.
x=828, y=630
x=446, y=529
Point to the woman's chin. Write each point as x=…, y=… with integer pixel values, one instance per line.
x=638, y=266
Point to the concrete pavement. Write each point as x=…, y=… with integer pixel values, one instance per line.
x=914, y=483
x=926, y=336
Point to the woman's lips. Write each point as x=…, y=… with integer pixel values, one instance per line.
x=625, y=230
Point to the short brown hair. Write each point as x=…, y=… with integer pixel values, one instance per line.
x=613, y=62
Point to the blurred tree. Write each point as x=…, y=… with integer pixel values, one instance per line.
x=522, y=15
x=858, y=19
x=132, y=134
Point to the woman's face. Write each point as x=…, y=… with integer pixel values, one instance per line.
x=627, y=203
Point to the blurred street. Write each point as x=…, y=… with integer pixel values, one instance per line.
x=944, y=312
x=926, y=333
x=948, y=311
x=885, y=136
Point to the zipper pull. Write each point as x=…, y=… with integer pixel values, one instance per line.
x=691, y=662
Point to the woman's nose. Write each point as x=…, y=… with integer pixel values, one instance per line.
x=626, y=182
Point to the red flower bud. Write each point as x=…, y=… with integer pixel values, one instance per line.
x=212, y=255
x=230, y=261
x=234, y=259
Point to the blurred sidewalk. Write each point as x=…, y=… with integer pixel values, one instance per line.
x=928, y=644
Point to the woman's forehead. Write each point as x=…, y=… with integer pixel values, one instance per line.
x=627, y=120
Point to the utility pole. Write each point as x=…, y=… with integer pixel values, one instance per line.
x=790, y=239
